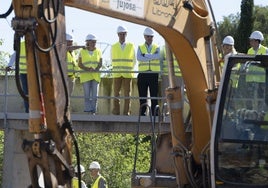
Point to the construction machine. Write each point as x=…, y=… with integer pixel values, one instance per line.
x=218, y=146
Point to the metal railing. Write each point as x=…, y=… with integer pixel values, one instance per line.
x=11, y=101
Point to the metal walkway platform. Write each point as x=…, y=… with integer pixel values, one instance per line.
x=94, y=123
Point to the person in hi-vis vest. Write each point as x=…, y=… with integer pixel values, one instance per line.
x=22, y=71
x=178, y=80
x=148, y=56
x=255, y=77
x=98, y=180
x=90, y=61
x=75, y=180
x=72, y=66
x=123, y=62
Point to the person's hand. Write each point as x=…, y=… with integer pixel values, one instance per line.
x=8, y=68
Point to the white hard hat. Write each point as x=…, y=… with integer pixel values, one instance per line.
x=121, y=29
x=257, y=35
x=82, y=169
x=228, y=40
x=148, y=32
x=91, y=37
x=94, y=165
x=69, y=37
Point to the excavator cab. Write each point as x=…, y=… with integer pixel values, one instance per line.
x=239, y=150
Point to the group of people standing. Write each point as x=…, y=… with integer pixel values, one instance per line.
x=88, y=62
x=256, y=47
x=123, y=61
x=98, y=180
x=252, y=82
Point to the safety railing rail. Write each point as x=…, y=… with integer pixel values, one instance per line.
x=9, y=93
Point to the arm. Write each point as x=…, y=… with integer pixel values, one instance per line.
x=134, y=58
x=156, y=55
x=11, y=62
x=99, y=65
x=82, y=66
x=102, y=183
x=141, y=57
x=83, y=184
x=72, y=48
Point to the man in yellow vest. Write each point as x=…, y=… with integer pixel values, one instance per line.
x=71, y=63
x=98, y=180
x=123, y=62
x=90, y=61
x=255, y=77
x=22, y=71
x=75, y=180
x=178, y=81
x=148, y=55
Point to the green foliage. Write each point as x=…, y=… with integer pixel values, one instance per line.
x=3, y=59
x=115, y=153
x=261, y=20
x=228, y=26
x=232, y=25
x=1, y=155
x=245, y=26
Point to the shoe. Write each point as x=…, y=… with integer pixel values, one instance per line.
x=126, y=114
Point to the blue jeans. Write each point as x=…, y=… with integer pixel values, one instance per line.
x=90, y=95
x=24, y=83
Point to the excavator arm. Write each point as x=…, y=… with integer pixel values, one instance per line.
x=42, y=25
x=188, y=30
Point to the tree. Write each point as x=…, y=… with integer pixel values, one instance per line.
x=228, y=26
x=260, y=21
x=245, y=26
x=3, y=59
x=115, y=153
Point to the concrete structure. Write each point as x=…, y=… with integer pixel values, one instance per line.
x=14, y=123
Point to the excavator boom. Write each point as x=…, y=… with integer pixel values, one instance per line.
x=189, y=32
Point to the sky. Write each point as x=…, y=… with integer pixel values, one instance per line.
x=79, y=23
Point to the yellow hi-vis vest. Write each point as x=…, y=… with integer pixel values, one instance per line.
x=123, y=60
x=153, y=65
x=96, y=182
x=165, y=65
x=71, y=64
x=75, y=183
x=93, y=61
x=22, y=63
x=258, y=74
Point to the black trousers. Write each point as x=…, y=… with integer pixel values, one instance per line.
x=145, y=81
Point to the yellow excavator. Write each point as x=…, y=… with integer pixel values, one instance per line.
x=221, y=145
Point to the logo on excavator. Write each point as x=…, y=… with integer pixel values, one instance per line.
x=126, y=5
x=167, y=3
x=162, y=7
x=131, y=7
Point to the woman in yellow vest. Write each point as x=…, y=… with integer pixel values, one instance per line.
x=148, y=55
x=123, y=62
x=98, y=180
x=90, y=60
